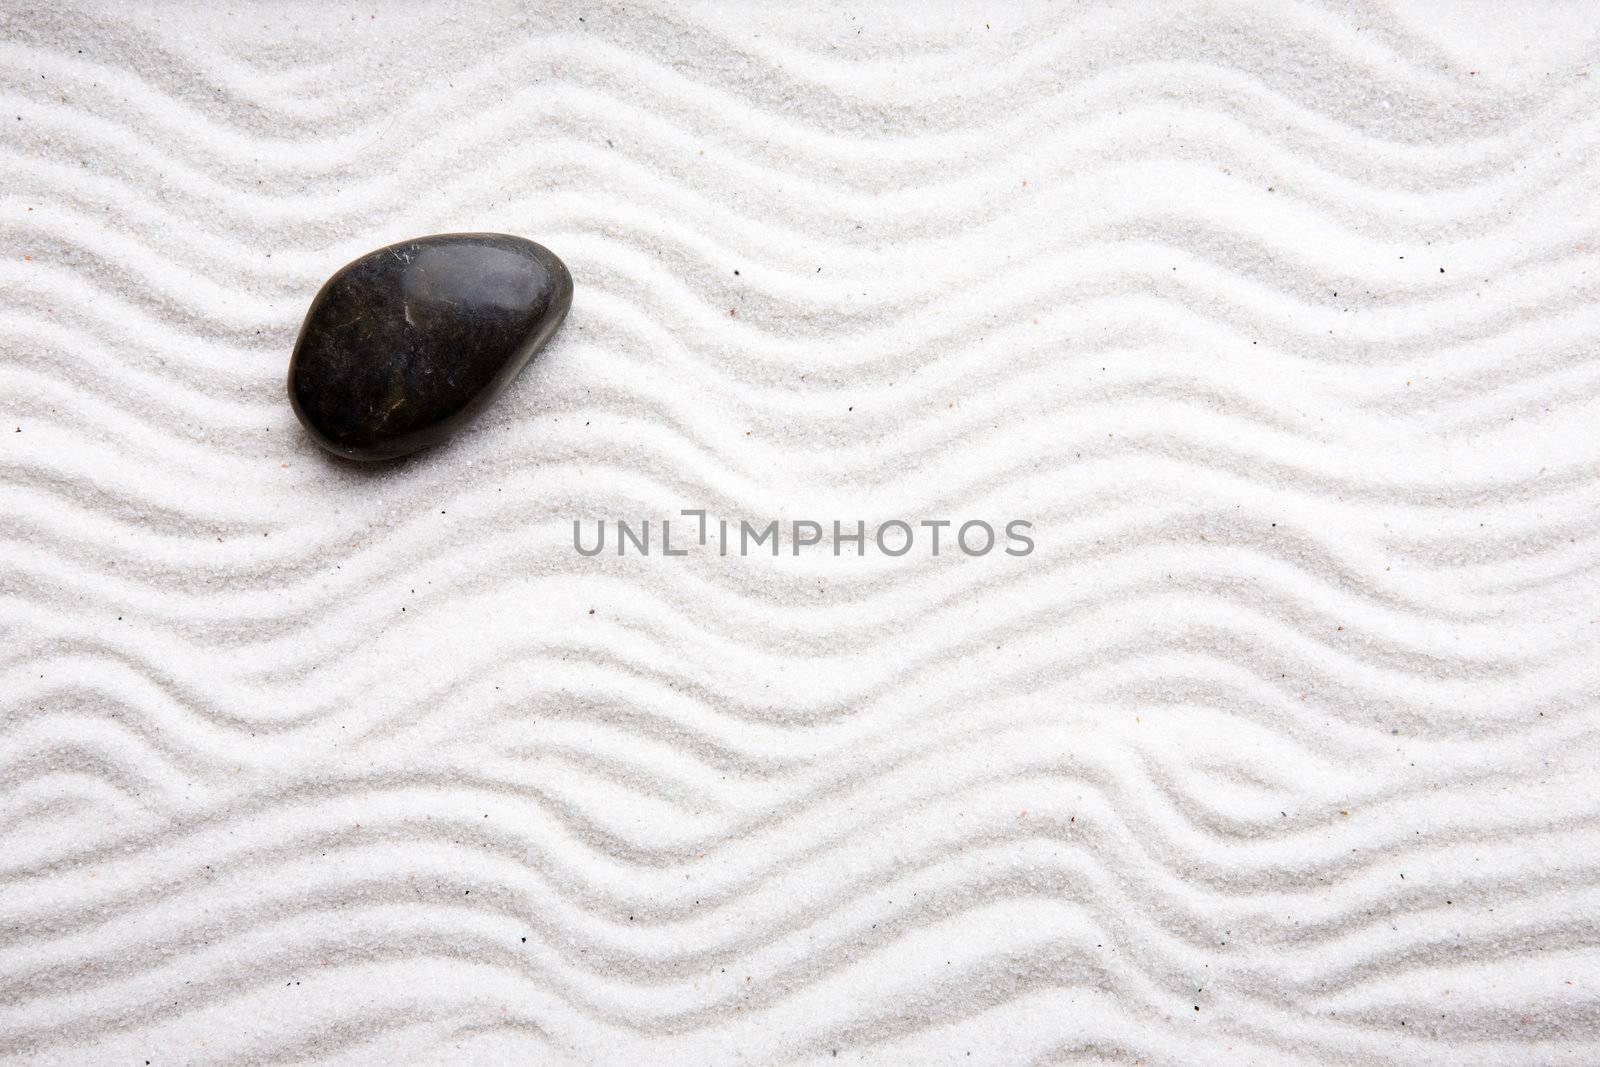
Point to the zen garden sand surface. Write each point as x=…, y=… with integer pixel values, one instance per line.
x=1276, y=320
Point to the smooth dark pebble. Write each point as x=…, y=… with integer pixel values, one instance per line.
x=406, y=345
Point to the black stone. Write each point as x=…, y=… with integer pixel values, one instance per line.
x=407, y=344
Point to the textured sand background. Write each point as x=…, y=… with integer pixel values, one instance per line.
x=1278, y=320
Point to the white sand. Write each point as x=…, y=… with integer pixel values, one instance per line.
x=1277, y=320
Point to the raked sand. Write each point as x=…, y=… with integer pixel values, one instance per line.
x=1278, y=320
